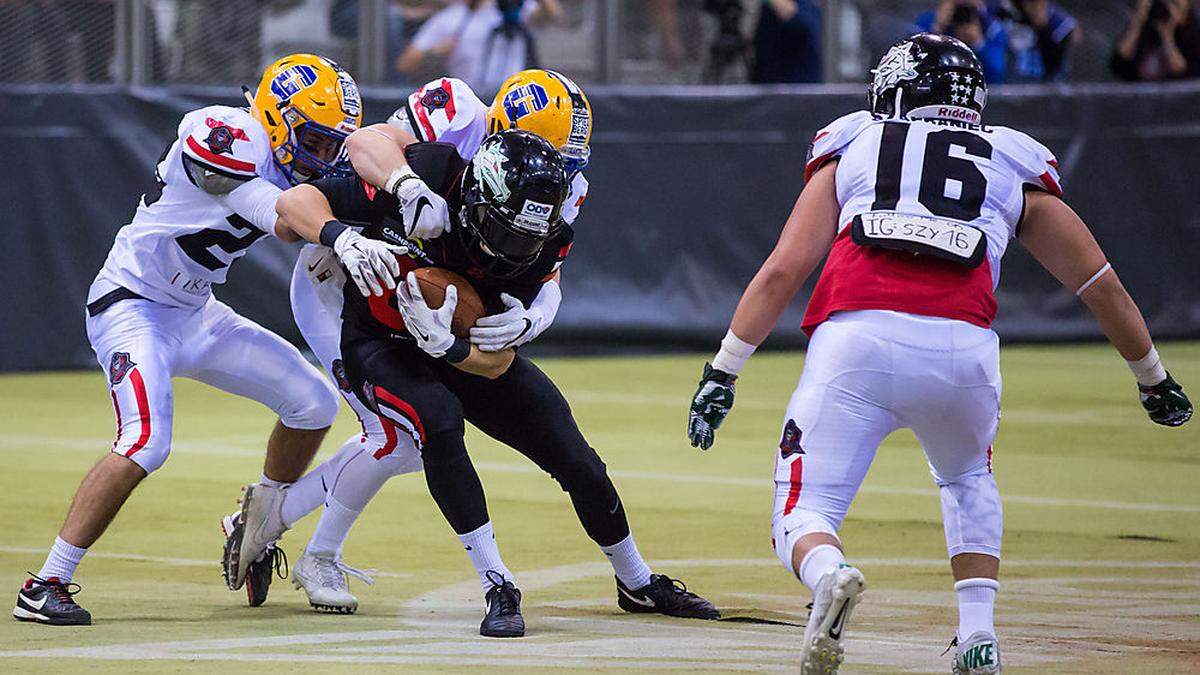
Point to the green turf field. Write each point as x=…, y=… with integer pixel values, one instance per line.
x=1102, y=541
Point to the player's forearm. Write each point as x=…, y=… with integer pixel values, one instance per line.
x=487, y=364
x=1118, y=316
x=377, y=153
x=764, y=301
x=303, y=211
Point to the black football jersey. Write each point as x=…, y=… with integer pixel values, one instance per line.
x=356, y=202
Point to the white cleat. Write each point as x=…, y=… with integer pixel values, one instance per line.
x=324, y=579
x=977, y=655
x=262, y=519
x=834, y=600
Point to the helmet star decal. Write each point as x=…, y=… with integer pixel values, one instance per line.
x=898, y=65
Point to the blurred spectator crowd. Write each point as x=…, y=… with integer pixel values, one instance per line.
x=674, y=41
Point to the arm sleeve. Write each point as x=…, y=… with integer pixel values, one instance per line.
x=575, y=199
x=446, y=110
x=831, y=142
x=354, y=201
x=254, y=200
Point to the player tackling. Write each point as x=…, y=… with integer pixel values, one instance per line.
x=151, y=314
x=915, y=202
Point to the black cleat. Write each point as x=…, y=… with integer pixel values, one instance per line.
x=49, y=601
x=664, y=595
x=273, y=562
x=503, y=618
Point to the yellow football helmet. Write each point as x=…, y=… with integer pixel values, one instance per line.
x=308, y=105
x=550, y=105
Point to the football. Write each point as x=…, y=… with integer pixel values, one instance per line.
x=434, y=280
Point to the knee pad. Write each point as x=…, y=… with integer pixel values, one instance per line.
x=972, y=514
x=584, y=473
x=396, y=458
x=786, y=529
x=313, y=403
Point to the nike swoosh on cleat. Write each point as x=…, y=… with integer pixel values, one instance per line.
x=35, y=605
x=636, y=601
x=835, y=629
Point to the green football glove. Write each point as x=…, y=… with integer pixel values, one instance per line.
x=1166, y=403
x=710, y=405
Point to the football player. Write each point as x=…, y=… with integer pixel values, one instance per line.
x=913, y=202
x=445, y=110
x=151, y=314
x=403, y=363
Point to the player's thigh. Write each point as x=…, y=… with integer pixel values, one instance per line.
x=835, y=421
x=135, y=341
x=525, y=410
x=234, y=354
x=959, y=410
x=395, y=382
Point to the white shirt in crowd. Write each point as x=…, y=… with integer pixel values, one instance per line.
x=480, y=60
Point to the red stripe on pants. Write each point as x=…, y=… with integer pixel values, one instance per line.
x=143, y=405
x=117, y=409
x=389, y=430
x=796, y=481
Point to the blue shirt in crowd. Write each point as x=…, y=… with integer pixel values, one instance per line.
x=994, y=51
x=788, y=51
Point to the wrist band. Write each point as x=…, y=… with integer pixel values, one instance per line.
x=458, y=351
x=1148, y=369
x=733, y=354
x=397, y=177
x=331, y=231
x=1095, y=277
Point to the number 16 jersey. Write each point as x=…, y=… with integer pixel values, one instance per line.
x=929, y=180
x=218, y=184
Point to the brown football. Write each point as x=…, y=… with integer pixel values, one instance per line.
x=434, y=280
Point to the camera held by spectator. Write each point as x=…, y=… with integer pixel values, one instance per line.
x=1040, y=34
x=1162, y=42
x=975, y=23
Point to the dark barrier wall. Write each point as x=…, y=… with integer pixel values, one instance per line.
x=688, y=191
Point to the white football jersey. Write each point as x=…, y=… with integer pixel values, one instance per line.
x=446, y=110
x=928, y=207
x=182, y=241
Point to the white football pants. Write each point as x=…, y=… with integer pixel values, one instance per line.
x=867, y=374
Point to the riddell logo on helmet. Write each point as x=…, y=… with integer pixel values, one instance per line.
x=958, y=114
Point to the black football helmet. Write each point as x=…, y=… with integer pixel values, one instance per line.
x=929, y=75
x=512, y=195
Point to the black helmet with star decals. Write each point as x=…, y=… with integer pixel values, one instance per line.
x=929, y=76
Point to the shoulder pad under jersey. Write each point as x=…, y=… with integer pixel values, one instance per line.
x=1031, y=160
x=831, y=142
x=222, y=147
x=445, y=110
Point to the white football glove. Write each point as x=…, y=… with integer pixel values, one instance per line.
x=426, y=215
x=368, y=261
x=429, y=327
x=516, y=325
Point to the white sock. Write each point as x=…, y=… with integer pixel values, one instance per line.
x=332, y=528
x=976, y=604
x=61, y=562
x=627, y=563
x=308, y=494
x=481, y=548
x=817, y=562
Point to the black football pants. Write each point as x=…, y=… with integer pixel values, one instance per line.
x=522, y=409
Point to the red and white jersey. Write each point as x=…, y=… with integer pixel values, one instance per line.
x=448, y=111
x=182, y=241
x=915, y=195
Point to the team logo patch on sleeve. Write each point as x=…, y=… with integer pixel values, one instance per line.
x=790, y=443
x=220, y=141
x=119, y=367
x=435, y=99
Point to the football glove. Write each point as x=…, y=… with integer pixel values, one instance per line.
x=426, y=214
x=710, y=405
x=368, y=261
x=429, y=327
x=510, y=328
x=1166, y=403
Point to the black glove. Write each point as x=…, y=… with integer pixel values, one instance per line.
x=1166, y=403
x=710, y=405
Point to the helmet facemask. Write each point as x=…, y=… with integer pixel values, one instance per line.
x=316, y=151
x=499, y=241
